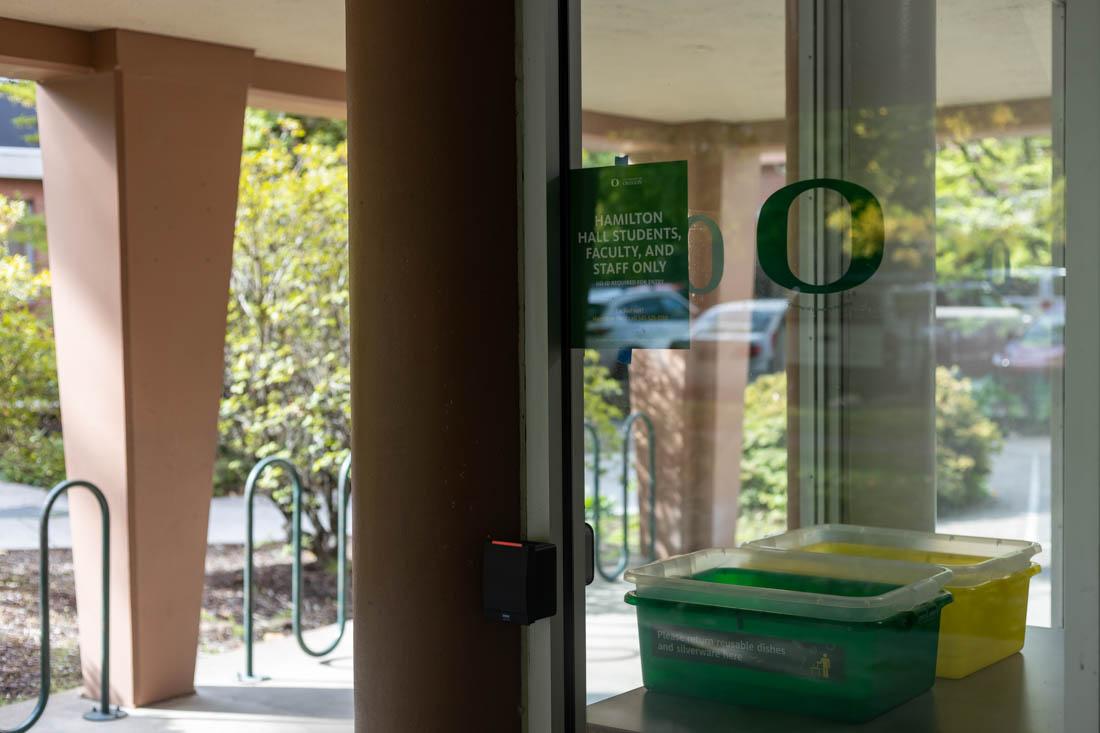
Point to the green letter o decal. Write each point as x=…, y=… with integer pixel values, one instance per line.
x=867, y=235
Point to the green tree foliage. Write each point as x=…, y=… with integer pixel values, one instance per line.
x=29, y=231
x=600, y=395
x=600, y=411
x=996, y=204
x=30, y=437
x=596, y=158
x=264, y=129
x=22, y=93
x=287, y=377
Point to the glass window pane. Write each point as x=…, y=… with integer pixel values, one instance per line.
x=883, y=348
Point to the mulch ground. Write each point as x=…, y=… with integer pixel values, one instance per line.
x=220, y=624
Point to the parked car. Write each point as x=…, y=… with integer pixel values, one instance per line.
x=1035, y=290
x=759, y=323
x=973, y=322
x=1042, y=346
x=639, y=317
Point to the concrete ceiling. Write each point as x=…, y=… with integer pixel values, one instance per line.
x=303, y=31
x=668, y=60
x=684, y=60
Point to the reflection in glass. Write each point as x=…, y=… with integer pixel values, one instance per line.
x=928, y=397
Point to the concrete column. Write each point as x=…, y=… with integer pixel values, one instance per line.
x=889, y=450
x=722, y=367
x=141, y=164
x=861, y=100
x=696, y=397
x=435, y=284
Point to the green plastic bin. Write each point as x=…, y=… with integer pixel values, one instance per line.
x=833, y=637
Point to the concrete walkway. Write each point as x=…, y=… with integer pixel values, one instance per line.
x=303, y=695
x=613, y=662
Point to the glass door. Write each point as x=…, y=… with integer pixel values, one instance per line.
x=873, y=329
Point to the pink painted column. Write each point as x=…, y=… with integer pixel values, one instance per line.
x=141, y=166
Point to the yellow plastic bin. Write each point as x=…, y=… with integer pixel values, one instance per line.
x=986, y=622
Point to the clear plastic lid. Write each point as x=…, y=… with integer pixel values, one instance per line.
x=673, y=580
x=974, y=560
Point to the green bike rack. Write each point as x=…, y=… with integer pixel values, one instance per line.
x=104, y=712
x=591, y=429
x=343, y=494
x=624, y=557
x=652, y=435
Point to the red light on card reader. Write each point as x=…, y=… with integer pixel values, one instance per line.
x=502, y=543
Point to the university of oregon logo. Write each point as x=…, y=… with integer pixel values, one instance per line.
x=868, y=235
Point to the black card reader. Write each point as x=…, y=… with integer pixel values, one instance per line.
x=519, y=580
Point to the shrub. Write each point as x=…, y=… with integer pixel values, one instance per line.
x=600, y=411
x=600, y=394
x=30, y=421
x=763, y=498
x=287, y=376
x=966, y=442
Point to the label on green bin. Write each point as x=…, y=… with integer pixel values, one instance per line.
x=767, y=653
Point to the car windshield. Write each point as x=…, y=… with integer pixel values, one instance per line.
x=967, y=296
x=762, y=320
x=1020, y=285
x=653, y=307
x=738, y=320
x=1044, y=333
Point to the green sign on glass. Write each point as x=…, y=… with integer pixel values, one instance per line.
x=629, y=279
